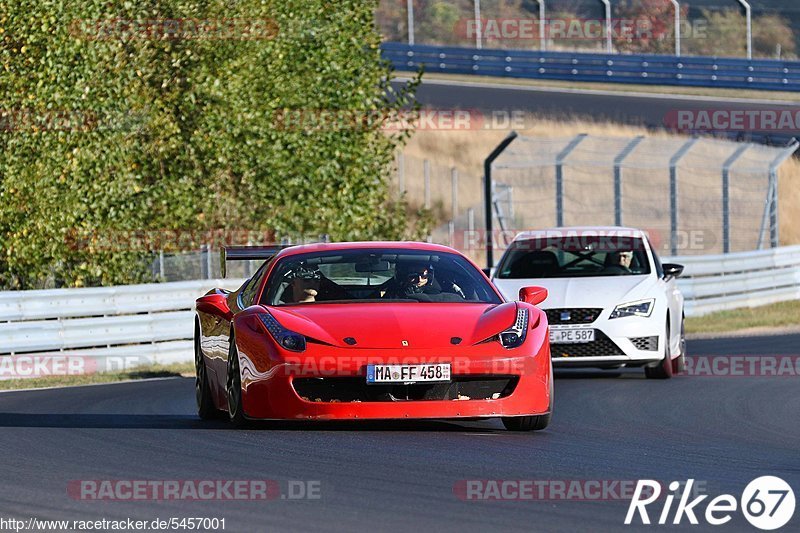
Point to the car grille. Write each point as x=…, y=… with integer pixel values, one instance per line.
x=601, y=346
x=646, y=343
x=577, y=315
x=348, y=389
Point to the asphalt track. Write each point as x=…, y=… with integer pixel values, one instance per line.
x=723, y=431
x=641, y=109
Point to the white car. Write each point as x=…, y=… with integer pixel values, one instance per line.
x=611, y=302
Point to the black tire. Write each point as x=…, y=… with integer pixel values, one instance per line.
x=662, y=369
x=679, y=363
x=531, y=423
x=233, y=387
x=526, y=423
x=206, y=409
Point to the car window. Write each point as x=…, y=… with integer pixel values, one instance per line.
x=574, y=256
x=251, y=287
x=345, y=273
x=379, y=275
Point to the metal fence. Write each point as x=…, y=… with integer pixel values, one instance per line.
x=694, y=196
x=555, y=24
x=696, y=71
x=203, y=263
x=104, y=328
x=719, y=282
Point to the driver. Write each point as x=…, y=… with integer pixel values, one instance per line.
x=305, y=284
x=410, y=279
x=619, y=261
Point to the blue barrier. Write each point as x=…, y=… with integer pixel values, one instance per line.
x=695, y=71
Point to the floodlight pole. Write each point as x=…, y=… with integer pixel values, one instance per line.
x=410, y=11
x=542, y=26
x=609, y=47
x=677, y=7
x=749, y=15
x=479, y=22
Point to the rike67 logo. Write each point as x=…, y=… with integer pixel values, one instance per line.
x=767, y=503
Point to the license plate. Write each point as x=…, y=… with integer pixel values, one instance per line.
x=571, y=336
x=439, y=372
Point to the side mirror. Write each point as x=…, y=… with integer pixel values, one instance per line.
x=672, y=270
x=533, y=295
x=215, y=304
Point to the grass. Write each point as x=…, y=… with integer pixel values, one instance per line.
x=143, y=372
x=621, y=88
x=779, y=315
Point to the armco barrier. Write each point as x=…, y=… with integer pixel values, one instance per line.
x=147, y=323
x=154, y=322
x=697, y=71
x=748, y=279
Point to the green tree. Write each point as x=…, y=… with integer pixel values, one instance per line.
x=110, y=131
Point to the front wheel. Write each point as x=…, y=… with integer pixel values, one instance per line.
x=206, y=409
x=663, y=369
x=531, y=423
x=233, y=387
x=526, y=423
x=679, y=363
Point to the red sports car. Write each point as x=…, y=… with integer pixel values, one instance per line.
x=371, y=330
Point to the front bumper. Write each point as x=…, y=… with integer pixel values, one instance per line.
x=282, y=390
x=617, y=342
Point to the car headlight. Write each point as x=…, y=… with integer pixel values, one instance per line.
x=515, y=335
x=638, y=308
x=288, y=339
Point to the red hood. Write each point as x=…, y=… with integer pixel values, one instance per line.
x=387, y=325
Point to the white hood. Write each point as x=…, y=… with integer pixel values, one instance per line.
x=602, y=292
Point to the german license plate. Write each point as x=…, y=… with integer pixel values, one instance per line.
x=439, y=372
x=571, y=336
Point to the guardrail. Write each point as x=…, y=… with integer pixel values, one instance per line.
x=138, y=324
x=696, y=71
x=124, y=326
x=748, y=279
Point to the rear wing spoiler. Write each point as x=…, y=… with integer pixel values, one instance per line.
x=247, y=253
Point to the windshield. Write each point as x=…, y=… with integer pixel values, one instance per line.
x=381, y=275
x=568, y=257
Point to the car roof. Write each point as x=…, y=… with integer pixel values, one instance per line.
x=582, y=230
x=365, y=245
